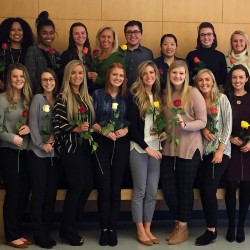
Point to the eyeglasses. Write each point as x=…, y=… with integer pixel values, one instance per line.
x=135, y=32
x=48, y=79
x=206, y=34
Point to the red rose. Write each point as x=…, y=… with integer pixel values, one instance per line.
x=213, y=111
x=85, y=50
x=82, y=110
x=232, y=60
x=160, y=71
x=177, y=103
x=52, y=51
x=4, y=46
x=25, y=114
x=196, y=60
x=95, y=52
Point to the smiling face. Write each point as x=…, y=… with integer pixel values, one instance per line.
x=117, y=77
x=106, y=39
x=206, y=37
x=17, y=79
x=16, y=33
x=47, y=35
x=133, y=35
x=48, y=82
x=205, y=83
x=79, y=35
x=168, y=47
x=177, y=76
x=238, y=43
x=239, y=79
x=149, y=77
x=76, y=77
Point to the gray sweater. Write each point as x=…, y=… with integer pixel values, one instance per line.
x=37, y=119
x=8, y=121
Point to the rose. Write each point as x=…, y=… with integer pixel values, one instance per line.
x=160, y=71
x=4, y=46
x=213, y=111
x=232, y=60
x=46, y=108
x=52, y=51
x=196, y=60
x=96, y=52
x=25, y=114
x=114, y=105
x=82, y=109
x=245, y=124
x=85, y=50
x=124, y=47
x=156, y=104
x=177, y=102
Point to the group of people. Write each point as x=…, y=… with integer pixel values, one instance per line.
x=93, y=114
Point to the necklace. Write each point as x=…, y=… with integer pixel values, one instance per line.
x=18, y=58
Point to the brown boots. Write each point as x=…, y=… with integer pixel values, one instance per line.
x=173, y=232
x=179, y=235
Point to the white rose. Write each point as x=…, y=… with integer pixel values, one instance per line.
x=114, y=105
x=46, y=108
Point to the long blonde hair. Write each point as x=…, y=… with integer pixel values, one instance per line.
x=170, y=87
x=26, y=92
x=140, y=96
x=68, y=95
x=215, y=93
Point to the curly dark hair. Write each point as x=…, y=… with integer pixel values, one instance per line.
x=5, y=27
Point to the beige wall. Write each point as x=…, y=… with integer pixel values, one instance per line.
x=180, y=17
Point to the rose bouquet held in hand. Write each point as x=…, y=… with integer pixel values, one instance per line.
x=55, y=59
x=2, y=57
x=95, y=60
x=198, y=64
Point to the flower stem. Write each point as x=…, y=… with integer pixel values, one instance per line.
x=99, y=164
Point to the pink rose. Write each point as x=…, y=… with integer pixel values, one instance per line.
x=4, y=46
x=177, y=102
x=160, y=71
x=232, y=60
x=82, y=109
x=213, y=111
x=52, y=51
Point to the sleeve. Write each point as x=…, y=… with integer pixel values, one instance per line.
x=4, y=134
x=133, y=117
x=198, y=110
x=60, y=121
x=34, y=115
x=31, y=65
x=223, y=70
x=226, y=113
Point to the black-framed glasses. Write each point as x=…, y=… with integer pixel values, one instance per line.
x=206, y=34
x=48, y=79
x=135, y=32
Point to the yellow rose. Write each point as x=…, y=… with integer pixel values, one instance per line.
x=46, y=108
x=114, y=105
x=124, y=47
x=156, y=104
x=245, y=124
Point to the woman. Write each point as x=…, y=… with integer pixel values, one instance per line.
x=74, y=151
x=42, y=55
x=206, y=55
x=168, y=46
x=182, y=156
x=217, y=150
x=14, y=108
x=15, y=38
x=238, y=172
x=43, y=165
x=78, y=40
x=144, y=149
x=239, y=53
x=107, y=44
x=113, y=150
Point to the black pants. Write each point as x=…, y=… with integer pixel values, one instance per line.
x=209, y=183
x=17, y=190
x=44, y=179
x=177, y=184
x=79, y=177
x=113, y=159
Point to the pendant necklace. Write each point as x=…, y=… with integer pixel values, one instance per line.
x=12, y=58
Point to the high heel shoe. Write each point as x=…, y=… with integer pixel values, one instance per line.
x=73, y=241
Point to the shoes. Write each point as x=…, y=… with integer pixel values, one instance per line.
x=173, y=232
x=145, y=242
x=155, y=241
x=206, y=238
x=44, y=244
x=11, y=244
x=52, y=241
x=27, y=242
x=104, y=237
x=240, y=235
x=230, y=236
x=112, y=237
x=75, y=240
x=180, y=235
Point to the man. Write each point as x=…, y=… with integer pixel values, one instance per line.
x=135, y=53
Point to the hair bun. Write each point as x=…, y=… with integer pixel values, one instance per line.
x=44, y=15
